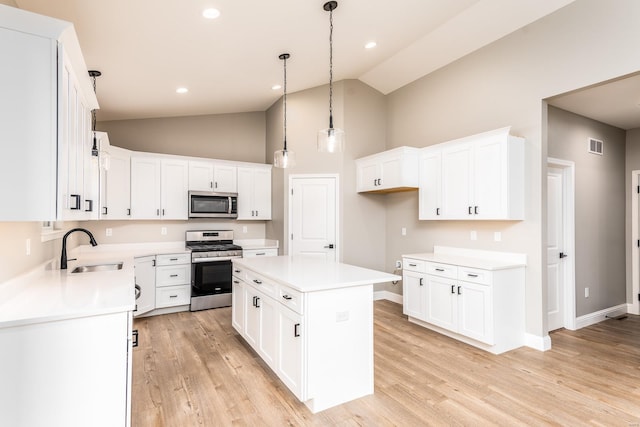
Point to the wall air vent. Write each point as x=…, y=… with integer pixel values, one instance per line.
x=595, y=146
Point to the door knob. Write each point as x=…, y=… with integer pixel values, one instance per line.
x=563, y=255
x=329, y=246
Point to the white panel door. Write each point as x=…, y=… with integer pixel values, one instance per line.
x=201, y=176
x=225, y=179
x=145, y=278
x=290, y=350
x=475, y=311
x=145, y=188
x=313, y=217
x=430, y=192
x=268, y=342
x=442, y=302
x=489, y=187
x=413, y=290
x=116, y=187
x=456, y=182
x=391, y=172
x=368, y=175
x=262, y=193
x=555, y=264
x=174, y=189
x=237, y=305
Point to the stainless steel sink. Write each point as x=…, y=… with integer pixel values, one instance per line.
x=97, y=267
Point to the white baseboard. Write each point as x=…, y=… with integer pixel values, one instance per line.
x=537, y=343
x=390, y=296
x=599, y=316
x=632, y=309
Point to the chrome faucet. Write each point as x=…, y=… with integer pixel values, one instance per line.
x=63, y=257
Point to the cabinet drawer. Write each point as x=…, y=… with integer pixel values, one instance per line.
x=263, y=285
x=173, y=259
x=291, y=298
x=410, y=264
x=170, y=296
x=238, y=272
x=173, y=275
x=474, y=275
x=442, y=270
x=250, y=253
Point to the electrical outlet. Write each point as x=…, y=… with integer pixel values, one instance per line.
x=163, y=231
x=244, y=228
x=28, y=246
x=398, y=264
x=108, y=232
x=474, y=235
x=586, y=292
x=497, y=236
x=404, y=231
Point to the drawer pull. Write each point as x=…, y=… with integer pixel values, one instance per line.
x=236, y=282
x=258, y=282
x=260, y=253
x=421, y=279
x=439, y=269
x=296, y=333
x=237, y=271
x=459, y=290
x=173, y=259
x=173, y=296
x=472, y=275
x=174, y=275
x=453, y=289
x=287, y=297
x=413, y=265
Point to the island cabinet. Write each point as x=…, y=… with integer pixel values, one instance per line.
x=478, y=301
x=311, y=322
x=389, y=171
x=473, y=178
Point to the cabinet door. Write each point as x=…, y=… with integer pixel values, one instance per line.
x=200, y=176
x=430, y=192
x=489, y=183
x=237, y=305
x=442, y=300
x=291, y=351
x=456, y=182
x=252, y=304
x=174, y=189
x=145, y=188
x=245, y=193
x=225, y=178
x=475, y=318
x=116, y=200
x=268, y=342
x=145, y=278
x=414, y=295
x=262, y=193
x=391, y=172
x=368, y=175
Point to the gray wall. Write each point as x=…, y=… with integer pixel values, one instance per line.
x=599, y=207
x=500, y=85
x=223, y=136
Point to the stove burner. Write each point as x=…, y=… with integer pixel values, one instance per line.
x=208, y=247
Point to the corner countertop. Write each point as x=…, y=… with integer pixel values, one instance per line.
x=47, y=293
x=309, y=274
x=256, y=244
x=480, y=259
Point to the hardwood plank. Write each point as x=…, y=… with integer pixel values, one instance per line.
x=193, y=369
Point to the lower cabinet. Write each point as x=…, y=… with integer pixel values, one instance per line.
x=145, y=276
x=71, y=373
x=290, y=360
x=164, y=282
x=484, y=308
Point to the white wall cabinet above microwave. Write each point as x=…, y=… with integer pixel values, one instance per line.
x=212, y=176
x=479, y=177
x=254, y=193
x=389, y=171
x=159, y=188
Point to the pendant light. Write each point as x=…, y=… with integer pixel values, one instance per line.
x=330, y=140
x=284, y=158
x=94, y=150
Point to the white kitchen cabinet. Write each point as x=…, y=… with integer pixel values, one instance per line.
x=159, y=188
x=250, y=253
x=389, y=171
x=290, y=366
x=237, y=301
x=145, y=277
x=478, y=177
x=254, y=193
x=173, y=280
x=212, y=176
x=115, y=193
x=67, y=373
x=483, y=307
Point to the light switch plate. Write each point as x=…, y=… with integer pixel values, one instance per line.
x=108, y=232
x=474, y=235
x=497, y=236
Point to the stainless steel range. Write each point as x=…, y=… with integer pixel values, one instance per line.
x=211, y=275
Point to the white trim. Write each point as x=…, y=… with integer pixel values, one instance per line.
x=599, y=316
x=537, y=343
x=388, y=295
x=335, y=176
x=635, y=251
x=568, y=201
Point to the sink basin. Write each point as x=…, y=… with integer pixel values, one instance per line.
x=97, y=267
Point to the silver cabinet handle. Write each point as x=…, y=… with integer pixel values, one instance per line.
x=174, y=275
x=421, y=284
x=173, y=296
x=439, y=269
x=287, y=297
x=138, y=291
x=256, y=281
x=472, y=275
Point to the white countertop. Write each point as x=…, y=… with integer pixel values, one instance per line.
x=308, y=274
x=484, y=260
x=48, y=293
x=250, y=244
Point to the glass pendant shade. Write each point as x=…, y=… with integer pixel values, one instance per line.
x=331, y=140
x=284, y=159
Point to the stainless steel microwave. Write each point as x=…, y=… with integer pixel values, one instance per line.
x=206, y=204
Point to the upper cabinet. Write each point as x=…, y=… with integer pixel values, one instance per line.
x=389, y=171
x=212, y=176
x=478, y=177
x=159, y=188
x=115, y=180
x=35, y=84
x=254, y=193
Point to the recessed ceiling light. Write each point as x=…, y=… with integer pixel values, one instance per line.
x=211, y=13
x=276, y=87
x=370, y=45
x=182, y=90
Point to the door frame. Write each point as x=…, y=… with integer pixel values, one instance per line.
x=334, y=176
x=634, y=306
x=568, y=204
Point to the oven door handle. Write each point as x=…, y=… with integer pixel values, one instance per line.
x=220, y=258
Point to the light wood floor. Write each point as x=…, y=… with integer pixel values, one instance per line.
x=192, y=369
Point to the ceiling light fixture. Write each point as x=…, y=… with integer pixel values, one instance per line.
x=276, y=87
x=330, y=140
x=211, y=13
x=94, y=149
x=284, y=158
x=182, y=90
x=370, y=45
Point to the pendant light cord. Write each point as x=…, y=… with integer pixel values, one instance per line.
x=331, y=68
x=284, y=101
x=93, y=112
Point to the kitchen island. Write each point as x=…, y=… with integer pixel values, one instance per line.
x=311, y=321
